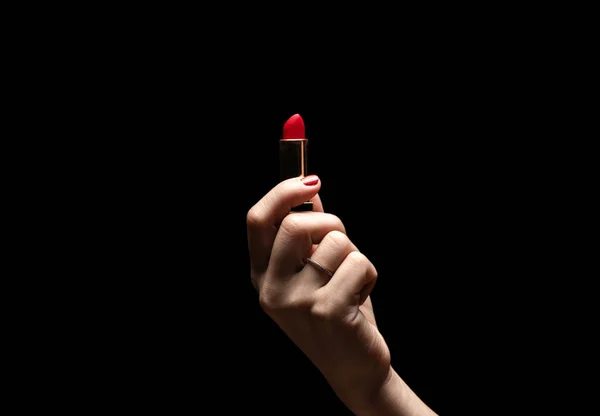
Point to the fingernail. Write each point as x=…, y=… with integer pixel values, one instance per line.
x=310, y=180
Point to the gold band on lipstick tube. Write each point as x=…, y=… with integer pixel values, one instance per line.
x=293, y=162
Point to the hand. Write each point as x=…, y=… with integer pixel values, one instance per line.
x=330, y=319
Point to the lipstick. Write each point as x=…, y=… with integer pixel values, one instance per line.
x=293, y=154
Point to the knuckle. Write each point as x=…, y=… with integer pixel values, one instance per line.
x=277, y=302
x=359, y=260
x=292, y=224
x=299, y=301
x=254, y=217
x=321, y=312
x=337, y=239
x=268, y=301
x=335, y=219
x=323, y=309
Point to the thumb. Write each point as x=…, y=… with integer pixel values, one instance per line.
x=287, y=194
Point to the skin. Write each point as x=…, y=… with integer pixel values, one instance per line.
x=330, y=319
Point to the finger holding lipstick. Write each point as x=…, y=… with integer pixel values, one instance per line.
x=265, y=217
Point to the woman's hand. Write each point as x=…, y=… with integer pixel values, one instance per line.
x=329, y=318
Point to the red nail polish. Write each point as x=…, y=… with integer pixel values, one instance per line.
x=310, y=180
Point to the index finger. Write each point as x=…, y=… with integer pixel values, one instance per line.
x=264, y=217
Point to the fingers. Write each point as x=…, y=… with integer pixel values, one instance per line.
x=317, y=204
x=330, y=253
x=298, y=233
x=264, y=218
x=352, y=281
x=284, y=238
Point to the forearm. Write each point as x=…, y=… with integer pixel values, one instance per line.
x=395, y=398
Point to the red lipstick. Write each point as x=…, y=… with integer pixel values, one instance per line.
x=293, y=154
x=294, y=128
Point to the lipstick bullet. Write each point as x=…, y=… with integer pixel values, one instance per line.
x=293, y=154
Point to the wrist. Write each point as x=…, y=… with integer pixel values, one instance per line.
x=394, y=398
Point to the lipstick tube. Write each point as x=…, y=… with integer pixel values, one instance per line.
x=293, y=162
x=293, y=158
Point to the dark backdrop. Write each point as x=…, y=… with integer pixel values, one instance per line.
x=421, y=164
x=408, y=166
x=438, y=139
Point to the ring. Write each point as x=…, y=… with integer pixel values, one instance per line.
x=318, y=266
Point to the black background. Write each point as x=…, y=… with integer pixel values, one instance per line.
x=427, y=152
x=450, y=140
x=417, y=170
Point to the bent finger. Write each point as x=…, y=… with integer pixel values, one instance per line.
x=353, y=281
x=298, y=234
x=330, y=254
x=264, y=218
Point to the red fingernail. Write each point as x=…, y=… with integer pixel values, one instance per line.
x=310, y=180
